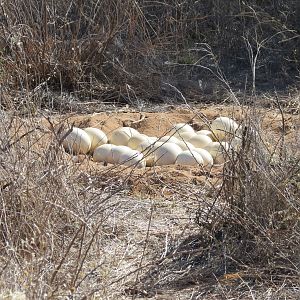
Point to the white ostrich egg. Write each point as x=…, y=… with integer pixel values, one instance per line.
x=218, y=151
x=189, y=158
x=148, y=149
x=181, y=128
x=185, y=145
x=130, y=130
x=168, y=138
x=153, y=139
x=207, y=133
x=200, y=140
x=224, y=128
x=122, y=135
x=103, y=153
x=145, y=146
x=136, y=140
x=208, y=160
x=133, y=159
x=97, y=136
x=117, y=151
x=166, y=154
x=77, y=141
x=185, y=136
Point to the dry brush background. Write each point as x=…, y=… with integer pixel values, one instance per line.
x=71, y=229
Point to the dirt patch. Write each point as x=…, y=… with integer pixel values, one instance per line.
x=149, y=234
x=158, y=123
x=159, y=180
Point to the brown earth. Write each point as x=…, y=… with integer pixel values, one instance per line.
x=158, y=124
x=152, y=180
x=271, y=128
x=162, y=199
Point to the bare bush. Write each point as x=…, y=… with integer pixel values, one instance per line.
x=125, y=51
x=260, y=224
x=68, y=230
x=52, y=212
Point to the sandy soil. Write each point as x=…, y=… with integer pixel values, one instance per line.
x=158, y=124
x=151, y=222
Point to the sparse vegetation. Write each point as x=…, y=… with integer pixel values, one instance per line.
x=72, y=228
x=136, y=51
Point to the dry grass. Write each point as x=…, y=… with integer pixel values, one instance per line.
x=136, y=51
x=73, y=230
x=70, y=230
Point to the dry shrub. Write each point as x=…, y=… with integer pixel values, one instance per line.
x=128, y=51
x=247, y=241
x=52, y=213
x=67, y=46
x=55, y=233
x=259, y=228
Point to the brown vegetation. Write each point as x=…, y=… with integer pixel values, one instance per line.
x=133, y=51
x=73, y=228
